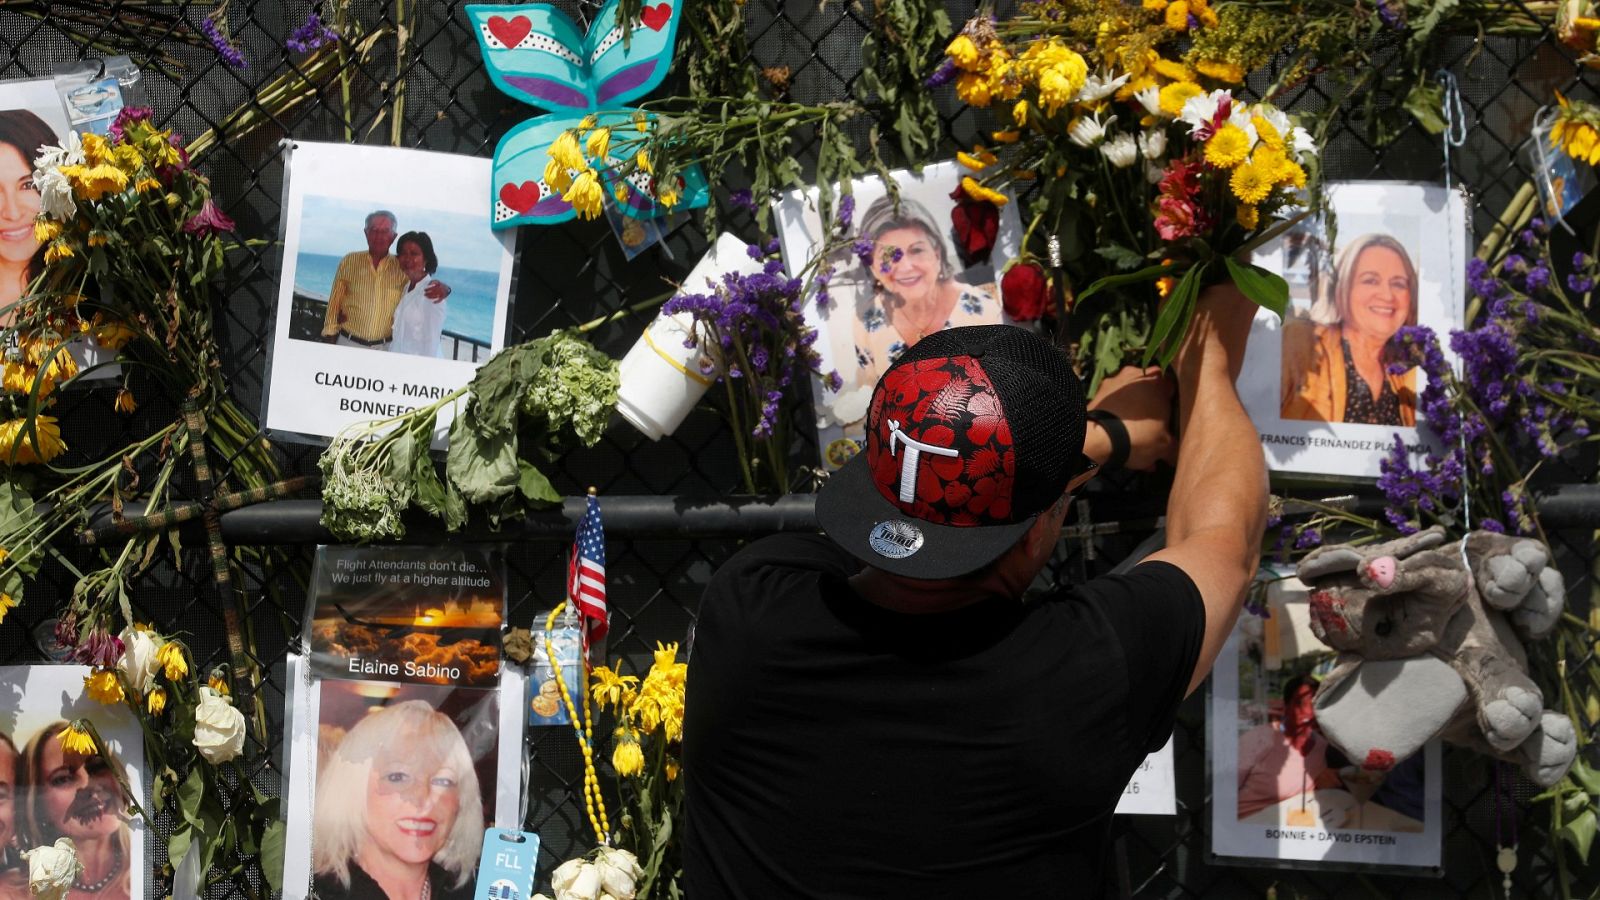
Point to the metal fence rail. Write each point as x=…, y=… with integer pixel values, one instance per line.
x=662, y=551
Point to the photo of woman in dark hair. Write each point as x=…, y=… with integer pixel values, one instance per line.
x=22, y=133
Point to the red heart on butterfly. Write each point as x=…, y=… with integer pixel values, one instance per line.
x=510, y=31
x=520, y=197
x=656, y=17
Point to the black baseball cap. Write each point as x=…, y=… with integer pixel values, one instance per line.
x=970, y=435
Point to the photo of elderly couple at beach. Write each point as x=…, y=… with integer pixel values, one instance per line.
x=422, y=283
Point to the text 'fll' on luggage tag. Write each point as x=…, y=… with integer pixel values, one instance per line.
x=505, y=872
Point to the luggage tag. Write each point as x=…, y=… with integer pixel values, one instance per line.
x=505, y=871
x=1560, y=181
x=547, y=707
x=634, y=235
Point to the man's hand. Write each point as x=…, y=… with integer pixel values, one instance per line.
x=1142, y=399
x=436, y=291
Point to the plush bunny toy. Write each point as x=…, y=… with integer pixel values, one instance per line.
x=1427, y=634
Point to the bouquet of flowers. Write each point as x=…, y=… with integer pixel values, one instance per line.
x=1151, y=167
x=754, y=338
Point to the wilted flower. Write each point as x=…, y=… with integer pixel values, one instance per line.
x=208, y=221
x=52, y=870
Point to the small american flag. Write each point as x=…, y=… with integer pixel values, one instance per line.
x=586, y=575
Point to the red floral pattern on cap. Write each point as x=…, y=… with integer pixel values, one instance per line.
x=943, y=403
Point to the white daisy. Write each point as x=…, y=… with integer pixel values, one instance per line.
x=1122, y=150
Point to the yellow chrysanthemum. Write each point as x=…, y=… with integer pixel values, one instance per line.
x=665, y=654
x=103, y=686
x=99, y=181
x=170, y=658
x=1003, y=83
x=585, y=195
x=976, y=191
x=156, y=701
x=641, y=122
x=643, y=162
x=672, y=767
x=963, y=52
x=1267, y=133
x=1577, y=130
x=113, y=335
x=973, y=89
x=146, y=184
x=96, y=149
x=1056, y=89
x=219, y=684
x=58, y=250
x=7, y=604
x=1005, y=137
x=125, y=402
x=75, y=739
x=667, y=197
x=1201, y=9
x=627, y=758
x=1175, y=95
x=18, y=378
x=1228, y=147
x=1155, y=5
x=127, y=158
x=557, y=176
x=1019, y=113
x=1251, y=183
x=17, y=446
x=1248, y=217
x=1134, y=86
x=1172, y=71
x=564, y=150
x=46, y=230
x=588, y=122
x=978, y=160
x=598, y=143
x=1232, y=73
x=98, y=239
x=608, y=688
x=1177, y=15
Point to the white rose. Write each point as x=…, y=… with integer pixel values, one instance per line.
x=218, y=728
x=563, y=876
x=138, y=663
x=618, y=870
x=581, y=883
x=51, y=870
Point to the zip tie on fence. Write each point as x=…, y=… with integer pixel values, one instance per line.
x=1455, y=117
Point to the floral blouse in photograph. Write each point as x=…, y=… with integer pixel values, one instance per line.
x=878, y=343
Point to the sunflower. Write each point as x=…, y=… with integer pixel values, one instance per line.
x=1577, y=130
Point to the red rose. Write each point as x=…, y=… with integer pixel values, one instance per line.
x=1025, y=292
x=976, y=223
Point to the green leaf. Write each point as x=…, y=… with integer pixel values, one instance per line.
x=1148, y=273
x=1586, y=777
x=1580, y=834
x=1120, y=256
x=272, y=855
x=1425, y=102
x=483, y=468
x=1173, y=321
x=191, y=794
x=1267, y=289
x=534, y=485
x=178, y=844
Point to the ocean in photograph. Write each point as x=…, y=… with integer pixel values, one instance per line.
x=472, y=292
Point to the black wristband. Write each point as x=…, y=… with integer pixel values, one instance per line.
x=1117, y=433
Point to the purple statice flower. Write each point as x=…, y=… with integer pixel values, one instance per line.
x=311, y=35
x=1393, y=14
x=943, y=75
x=833, y=381
x=101, y=649
x=1482, y=281
x=824, y=276
x=1194, y=22
x=1538, y=278
x=743, y=199
x=846, y=214
x=863, y=248
x=1255, y=604
x=1578, y=284
x=1309, y=538
x=894, y=255
x=220, y=42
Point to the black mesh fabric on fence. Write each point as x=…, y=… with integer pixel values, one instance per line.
x=576, y=272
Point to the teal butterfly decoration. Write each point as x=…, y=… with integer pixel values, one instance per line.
x=537, y=54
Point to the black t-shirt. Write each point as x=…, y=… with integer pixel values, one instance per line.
x=833, y=748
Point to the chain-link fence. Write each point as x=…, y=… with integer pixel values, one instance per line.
x=577, y=272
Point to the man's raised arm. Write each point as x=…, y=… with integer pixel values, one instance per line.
x=1218, y=505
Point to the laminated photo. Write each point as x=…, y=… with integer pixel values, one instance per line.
x=32, y=117
x=1331, y=387
x=394, y=287
x=1281, y=791
x=400, y=781
x=914, y=284
x=410, y=615
x=54, y=792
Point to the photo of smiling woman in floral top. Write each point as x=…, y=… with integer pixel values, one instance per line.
x=911, y=266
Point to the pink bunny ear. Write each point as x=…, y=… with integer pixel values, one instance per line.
x=1382, y=570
